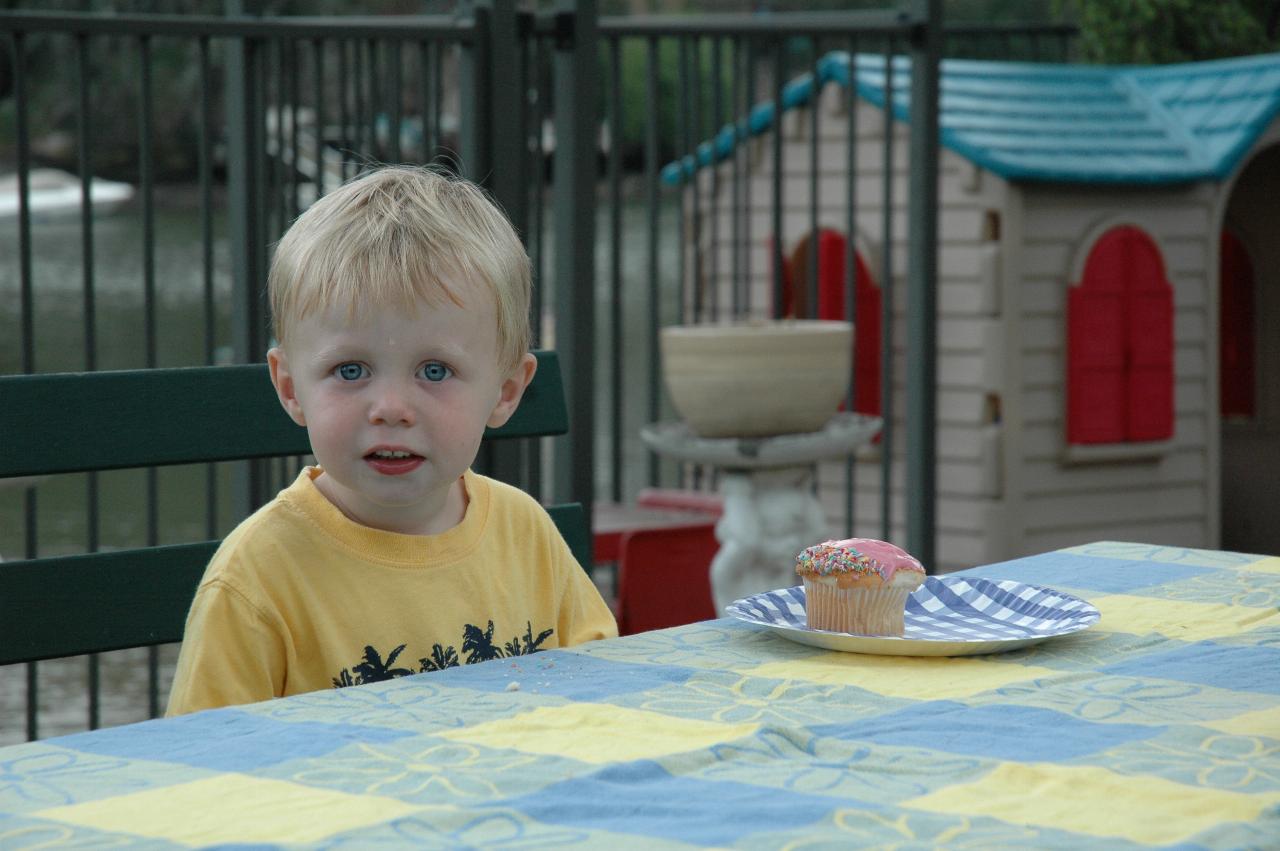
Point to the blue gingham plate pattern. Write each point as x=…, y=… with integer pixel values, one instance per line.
x=946, y=616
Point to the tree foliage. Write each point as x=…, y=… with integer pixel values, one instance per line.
x=1161, y=31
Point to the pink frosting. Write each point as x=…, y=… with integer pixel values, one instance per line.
x=886, y=558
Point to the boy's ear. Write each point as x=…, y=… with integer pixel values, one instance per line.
x=282, y=380
x=513, y=390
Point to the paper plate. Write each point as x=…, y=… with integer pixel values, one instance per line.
x=946, y=616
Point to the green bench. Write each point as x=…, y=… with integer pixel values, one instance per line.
x=95, y=421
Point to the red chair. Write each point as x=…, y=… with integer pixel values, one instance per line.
x=659, y=509
x=664, y=577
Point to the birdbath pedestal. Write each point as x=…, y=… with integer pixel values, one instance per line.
x=770, y=510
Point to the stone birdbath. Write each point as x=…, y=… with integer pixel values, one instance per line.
x=759, y=401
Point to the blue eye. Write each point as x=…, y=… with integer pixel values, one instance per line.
x=349, y=371
x=435, y=371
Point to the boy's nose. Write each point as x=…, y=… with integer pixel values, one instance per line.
x=391, y=407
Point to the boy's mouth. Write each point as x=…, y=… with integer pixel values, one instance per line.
x=393, y=462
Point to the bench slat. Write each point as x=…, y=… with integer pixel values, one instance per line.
x=92, y=603
x=65, y=606
x=75, y=422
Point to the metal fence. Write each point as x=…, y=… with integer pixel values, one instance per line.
x=278, y=112
x=568, y=118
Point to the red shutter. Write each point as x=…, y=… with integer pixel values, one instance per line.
x=1095, y=343
x=832, y=252
x=1095, y=369
x=1235, y=329
x=1149, y=316
x=1120, y=343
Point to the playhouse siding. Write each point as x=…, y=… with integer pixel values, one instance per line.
x=1162, y=499
x=971, y=335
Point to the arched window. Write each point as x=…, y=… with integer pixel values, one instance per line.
x=832, y=251
x=1236, y=380
x=1120, y=343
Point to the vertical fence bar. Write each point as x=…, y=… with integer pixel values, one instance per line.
x=811, y=281
x=318, y=98
x=246, y=228
x=814, y=184
x=85, y=166
x=688, y=286
x=359, y=56
x=508, y=176
x=737, y=268
x=380, y=142
x=84, y=158
x=688, y=162
x=273, y=105
x=680, y=144
x=652, y=239
x=713, y=206
x=359, y=130
x=615, y=267
x=749, y=71
x=475, y=86
x=537, y=227
x=437, y=102
x=574, y=204
x=779, y=256
x=205, y=177
x=424, y=100
x=531, y=157
x=697, y=132
x=922, y=295
x=23, y=153
x=886, y=307
x=344, y=113
x=851, y=261
x=146, y=174
x=395, y=84
x=295, y=146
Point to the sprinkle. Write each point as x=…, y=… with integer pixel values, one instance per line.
x=825, y=559
x=845, y=557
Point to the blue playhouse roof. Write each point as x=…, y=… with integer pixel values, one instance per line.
x=1154, y=124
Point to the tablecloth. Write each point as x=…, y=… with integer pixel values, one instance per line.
x=1158, y=726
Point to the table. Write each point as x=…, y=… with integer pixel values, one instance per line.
x=770, y=509
x=1159, y=725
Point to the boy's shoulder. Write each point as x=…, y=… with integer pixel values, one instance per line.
x=276, y=525
x=515, y=507
x=508, y=496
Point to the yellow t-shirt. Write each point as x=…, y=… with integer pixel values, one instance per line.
x=300, y=598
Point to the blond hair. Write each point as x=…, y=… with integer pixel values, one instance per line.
x=400, y=235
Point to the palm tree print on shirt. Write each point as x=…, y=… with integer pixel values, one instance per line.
x=477, y=644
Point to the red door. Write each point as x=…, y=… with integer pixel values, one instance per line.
x=832, y=250
x=1235, y=329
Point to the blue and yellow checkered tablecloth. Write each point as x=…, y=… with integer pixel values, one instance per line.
x=1160, y=726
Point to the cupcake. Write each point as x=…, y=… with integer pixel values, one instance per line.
x=859, y=585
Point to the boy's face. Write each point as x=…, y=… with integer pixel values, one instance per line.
x=395, y=403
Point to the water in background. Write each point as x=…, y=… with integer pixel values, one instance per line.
x=180, y=327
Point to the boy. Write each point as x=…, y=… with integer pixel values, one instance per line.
x=400, y=304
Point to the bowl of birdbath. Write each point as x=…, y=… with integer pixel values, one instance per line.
x=755, y=378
